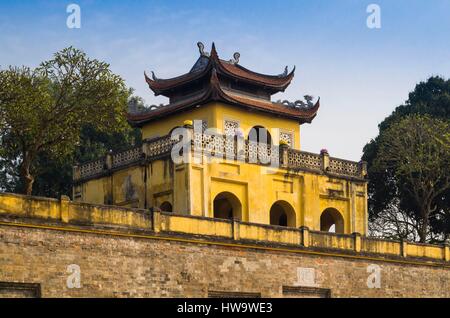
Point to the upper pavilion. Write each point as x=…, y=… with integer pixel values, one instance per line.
x=212, y=79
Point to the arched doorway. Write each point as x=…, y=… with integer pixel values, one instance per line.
x=166, y=206
x=332, y=221
x=282, y=213
x=227, y=206
x=260, y=134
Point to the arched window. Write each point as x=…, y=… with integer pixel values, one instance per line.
x=227, y=206
x=331, y=221
x=260, y=134
x=282, y=213
x=166, y=206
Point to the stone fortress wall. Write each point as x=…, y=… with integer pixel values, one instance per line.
x=124, y=252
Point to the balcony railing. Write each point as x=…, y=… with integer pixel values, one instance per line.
x=301, y=159
x=227, y=148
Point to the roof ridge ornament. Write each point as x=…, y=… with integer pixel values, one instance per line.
x=235, y=59
x=201, y=49
x=299, y=104
x=135, y=109
x=155, y=107
x=154, y=78
x=286, y=72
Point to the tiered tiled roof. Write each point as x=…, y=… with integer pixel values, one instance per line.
x=209, y=80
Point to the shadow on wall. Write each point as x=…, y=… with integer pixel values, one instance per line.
x=166, y=207
x=283, y=214
x=227, y=206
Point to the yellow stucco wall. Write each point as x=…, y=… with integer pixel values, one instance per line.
x=128, y=187
x=192, y=188
x=163, y=127
x=133, y=186
x=258, y=188
x=95, y=191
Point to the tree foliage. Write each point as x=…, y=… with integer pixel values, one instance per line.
x=393, y=211
x=416, y=152
x=43, y=110
x=54, y=175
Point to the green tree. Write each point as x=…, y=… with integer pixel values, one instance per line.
x=43, y=110
x=54, y=175
x=392, y=210
x=416, y=151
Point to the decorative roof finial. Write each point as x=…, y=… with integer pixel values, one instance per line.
x=154, y=76
x=235, y=59
x=285, y=73
x=201, y=49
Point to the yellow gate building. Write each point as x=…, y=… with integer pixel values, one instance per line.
x=241, y=155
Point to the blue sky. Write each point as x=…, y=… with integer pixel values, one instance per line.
x=361, y=74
